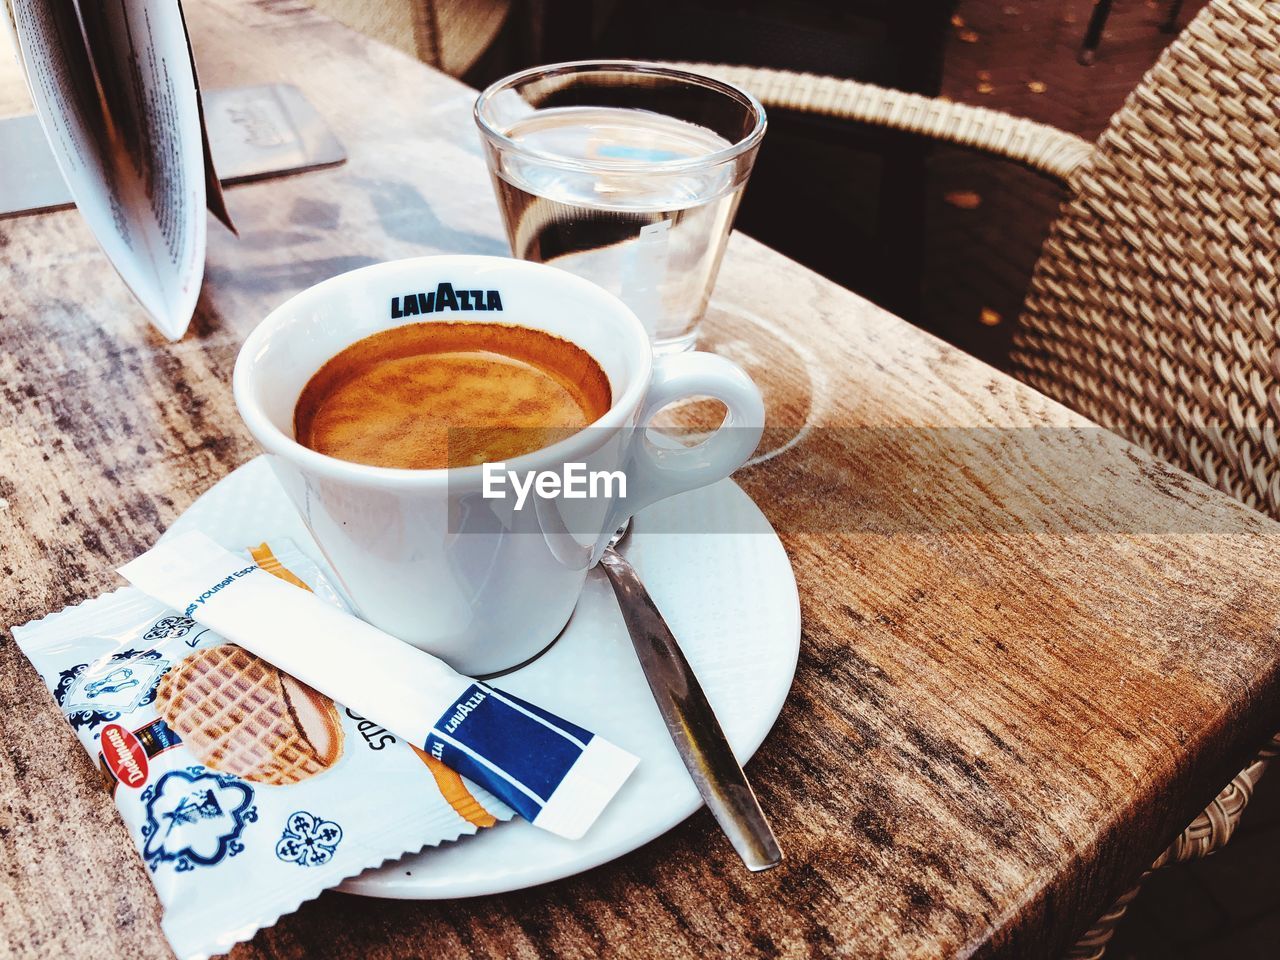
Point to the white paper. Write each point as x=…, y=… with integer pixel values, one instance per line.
x=114, y=88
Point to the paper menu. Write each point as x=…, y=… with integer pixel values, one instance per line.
x=115, y=90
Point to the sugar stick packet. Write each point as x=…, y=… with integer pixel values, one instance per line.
x=556, y=774
x=246, y=791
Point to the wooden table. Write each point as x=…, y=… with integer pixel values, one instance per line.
x=1030, y=653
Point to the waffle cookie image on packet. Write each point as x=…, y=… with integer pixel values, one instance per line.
x=241, y=715
x=245, y=791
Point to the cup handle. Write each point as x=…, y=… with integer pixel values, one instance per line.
x=657, y=472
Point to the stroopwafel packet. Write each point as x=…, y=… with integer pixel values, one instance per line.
x=246, y=791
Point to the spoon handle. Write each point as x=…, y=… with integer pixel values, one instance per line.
x=691, y=721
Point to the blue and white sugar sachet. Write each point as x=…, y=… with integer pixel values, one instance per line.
x=555, y=774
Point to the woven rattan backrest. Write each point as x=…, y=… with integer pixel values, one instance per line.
x=1154, y=308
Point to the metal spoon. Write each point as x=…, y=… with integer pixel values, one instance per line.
x=689, y=717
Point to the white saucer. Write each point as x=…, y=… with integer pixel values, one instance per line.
x=730, y=599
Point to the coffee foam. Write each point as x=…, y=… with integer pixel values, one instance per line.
x=429, y=395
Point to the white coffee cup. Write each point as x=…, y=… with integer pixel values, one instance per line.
x=422, y=553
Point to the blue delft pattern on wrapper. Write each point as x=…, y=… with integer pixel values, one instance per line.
x=308, y=840
x=177, y=627
x=195, y=818
x=102, y=690
x=214, y=840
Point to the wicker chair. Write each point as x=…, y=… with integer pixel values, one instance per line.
x=451, y=35
x=1155, y=304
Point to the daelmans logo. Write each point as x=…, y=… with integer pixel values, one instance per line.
x=444, y=297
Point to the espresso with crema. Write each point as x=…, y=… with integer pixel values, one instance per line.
x=429, y=395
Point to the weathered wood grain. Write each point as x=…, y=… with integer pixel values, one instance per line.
x=1030, y=656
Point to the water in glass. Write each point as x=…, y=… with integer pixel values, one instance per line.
x=653, y=236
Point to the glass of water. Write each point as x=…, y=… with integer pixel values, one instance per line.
x=625, y=173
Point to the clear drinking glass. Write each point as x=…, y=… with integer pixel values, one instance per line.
x=625, y=173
